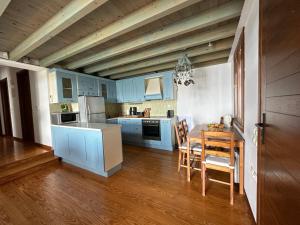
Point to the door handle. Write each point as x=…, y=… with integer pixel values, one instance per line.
x=262, y=126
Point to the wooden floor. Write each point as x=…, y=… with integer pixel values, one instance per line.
x=148, y=190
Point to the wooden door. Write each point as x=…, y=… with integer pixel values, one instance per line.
x=5, y=107
x=279, y=150
x=25, y=105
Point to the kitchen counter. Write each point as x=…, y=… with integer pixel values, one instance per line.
x=96, y=147
x=143, y=118
x=89, y=126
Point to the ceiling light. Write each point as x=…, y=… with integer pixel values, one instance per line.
x=183, y=72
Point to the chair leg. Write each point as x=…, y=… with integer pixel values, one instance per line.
x=231, y=186
x=179, y=160
x=203, y=178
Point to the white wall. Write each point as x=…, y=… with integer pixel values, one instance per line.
x=209, y=98
x=250, y=20
x=40, y=106
x=10, y=74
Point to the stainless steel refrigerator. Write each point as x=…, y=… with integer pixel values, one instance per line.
x=92, y=109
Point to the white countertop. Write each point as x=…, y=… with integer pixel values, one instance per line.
x=90, y=126
x=144, y=118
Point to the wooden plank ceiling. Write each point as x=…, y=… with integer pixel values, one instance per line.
x=117, y=38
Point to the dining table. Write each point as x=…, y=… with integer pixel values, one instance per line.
x=239, y=143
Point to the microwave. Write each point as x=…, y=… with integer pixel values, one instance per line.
x=66, y=117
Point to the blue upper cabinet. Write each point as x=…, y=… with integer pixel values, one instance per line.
x=119, y=86
x=66, y=85
x=108, y=90
x=87, y=86
x=168, y=86
x=139, y=89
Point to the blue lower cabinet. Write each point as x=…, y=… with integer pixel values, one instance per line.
x=80, y=147
x=132, y=133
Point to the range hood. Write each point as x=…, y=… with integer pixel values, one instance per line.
x=153, y=89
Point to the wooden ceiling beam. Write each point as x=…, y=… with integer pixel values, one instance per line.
x=180, y=44
x=3, y=6
x=138, y=18
x=71, y=13
x=171, y=65
x=207, y=18
x=196, y=51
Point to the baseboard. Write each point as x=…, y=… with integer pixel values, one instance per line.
x=44, y=146
x=18, y=139
x=249, y=207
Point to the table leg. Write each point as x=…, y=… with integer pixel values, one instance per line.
x=188, y=161
x=242, y=151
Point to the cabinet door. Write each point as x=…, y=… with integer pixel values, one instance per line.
x=94, y=151
x=66, y=87
x=119, y=86
x=139, y=88
x=128, y=90
x=60, y=141
x=168, y=86
x=166, y=132
x=112, y=95
x=77, y=146
x=103, y=89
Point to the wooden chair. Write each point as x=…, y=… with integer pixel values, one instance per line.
x=187, y=159
x=185, y=126
x=218, y=154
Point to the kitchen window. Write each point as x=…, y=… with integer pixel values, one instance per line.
x=239, y=80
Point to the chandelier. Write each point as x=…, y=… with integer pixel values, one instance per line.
x=183, y=72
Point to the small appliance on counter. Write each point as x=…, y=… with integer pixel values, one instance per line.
x=132, y=111
x=170, y=113
x=64, y=117
x=92, y=109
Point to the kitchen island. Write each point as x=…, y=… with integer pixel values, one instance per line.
x=96, y=147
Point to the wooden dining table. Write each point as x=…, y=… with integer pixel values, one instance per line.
x=195, y=136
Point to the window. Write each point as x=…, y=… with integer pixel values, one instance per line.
x=239, y=77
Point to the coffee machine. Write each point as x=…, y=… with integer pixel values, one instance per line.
x=133, y=111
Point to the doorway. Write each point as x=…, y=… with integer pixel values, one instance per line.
x=23, y=83
x=279, y=142
x=5, y=108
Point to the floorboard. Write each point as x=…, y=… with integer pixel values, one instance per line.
x=148, y=190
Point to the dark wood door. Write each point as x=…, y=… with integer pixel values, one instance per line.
x=25, y=105
x=279, y=150
x=5, y=107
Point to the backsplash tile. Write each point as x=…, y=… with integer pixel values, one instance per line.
x=158, y=107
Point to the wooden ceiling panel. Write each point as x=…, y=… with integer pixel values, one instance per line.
x=108, y=13
x=21, y=18
x=156, y=25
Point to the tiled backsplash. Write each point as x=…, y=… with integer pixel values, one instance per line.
x=158, y=107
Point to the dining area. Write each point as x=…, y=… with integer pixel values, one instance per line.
x=209, y=149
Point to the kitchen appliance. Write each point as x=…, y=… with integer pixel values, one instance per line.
x=91, y=109
x=64, y=117
x=170, y=113
x=153, y=88
x=151, y=130
x=147, y=112
x=133, y=111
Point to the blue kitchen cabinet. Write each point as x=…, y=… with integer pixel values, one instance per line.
x=83, y=148
x=166, y=129
x=87, y=86
x=119, y=90
x=66, y=87
x=139, y=89
x=108, y=90
x=168, y=86
x=128, y=94
x=131, y=130
x=112, y=121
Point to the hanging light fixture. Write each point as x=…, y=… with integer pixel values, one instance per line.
x=183, y=72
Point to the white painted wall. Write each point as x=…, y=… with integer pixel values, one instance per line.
x=40, y=103
x=40, y=106
x=250, y=20
x=10, y=74
x=209, y=98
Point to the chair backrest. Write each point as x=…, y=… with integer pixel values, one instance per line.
x=214, y=143
x=180, y=134
x=185, y=126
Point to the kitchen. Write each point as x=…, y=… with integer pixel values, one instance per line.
x=81, y=101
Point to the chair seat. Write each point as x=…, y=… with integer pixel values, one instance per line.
x=193, y=146
x=218, y=161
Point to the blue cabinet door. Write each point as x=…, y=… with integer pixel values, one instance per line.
x=77, y=146
x=139, y=88
x=128, y=94
x=112, y=91
x=166, y=132
x=119, y=86
x=168, y=86
x=60, y=140
x=66, y=87
x=94, y=150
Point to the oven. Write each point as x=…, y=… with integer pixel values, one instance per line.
x=151, y=129
x=61, y=118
